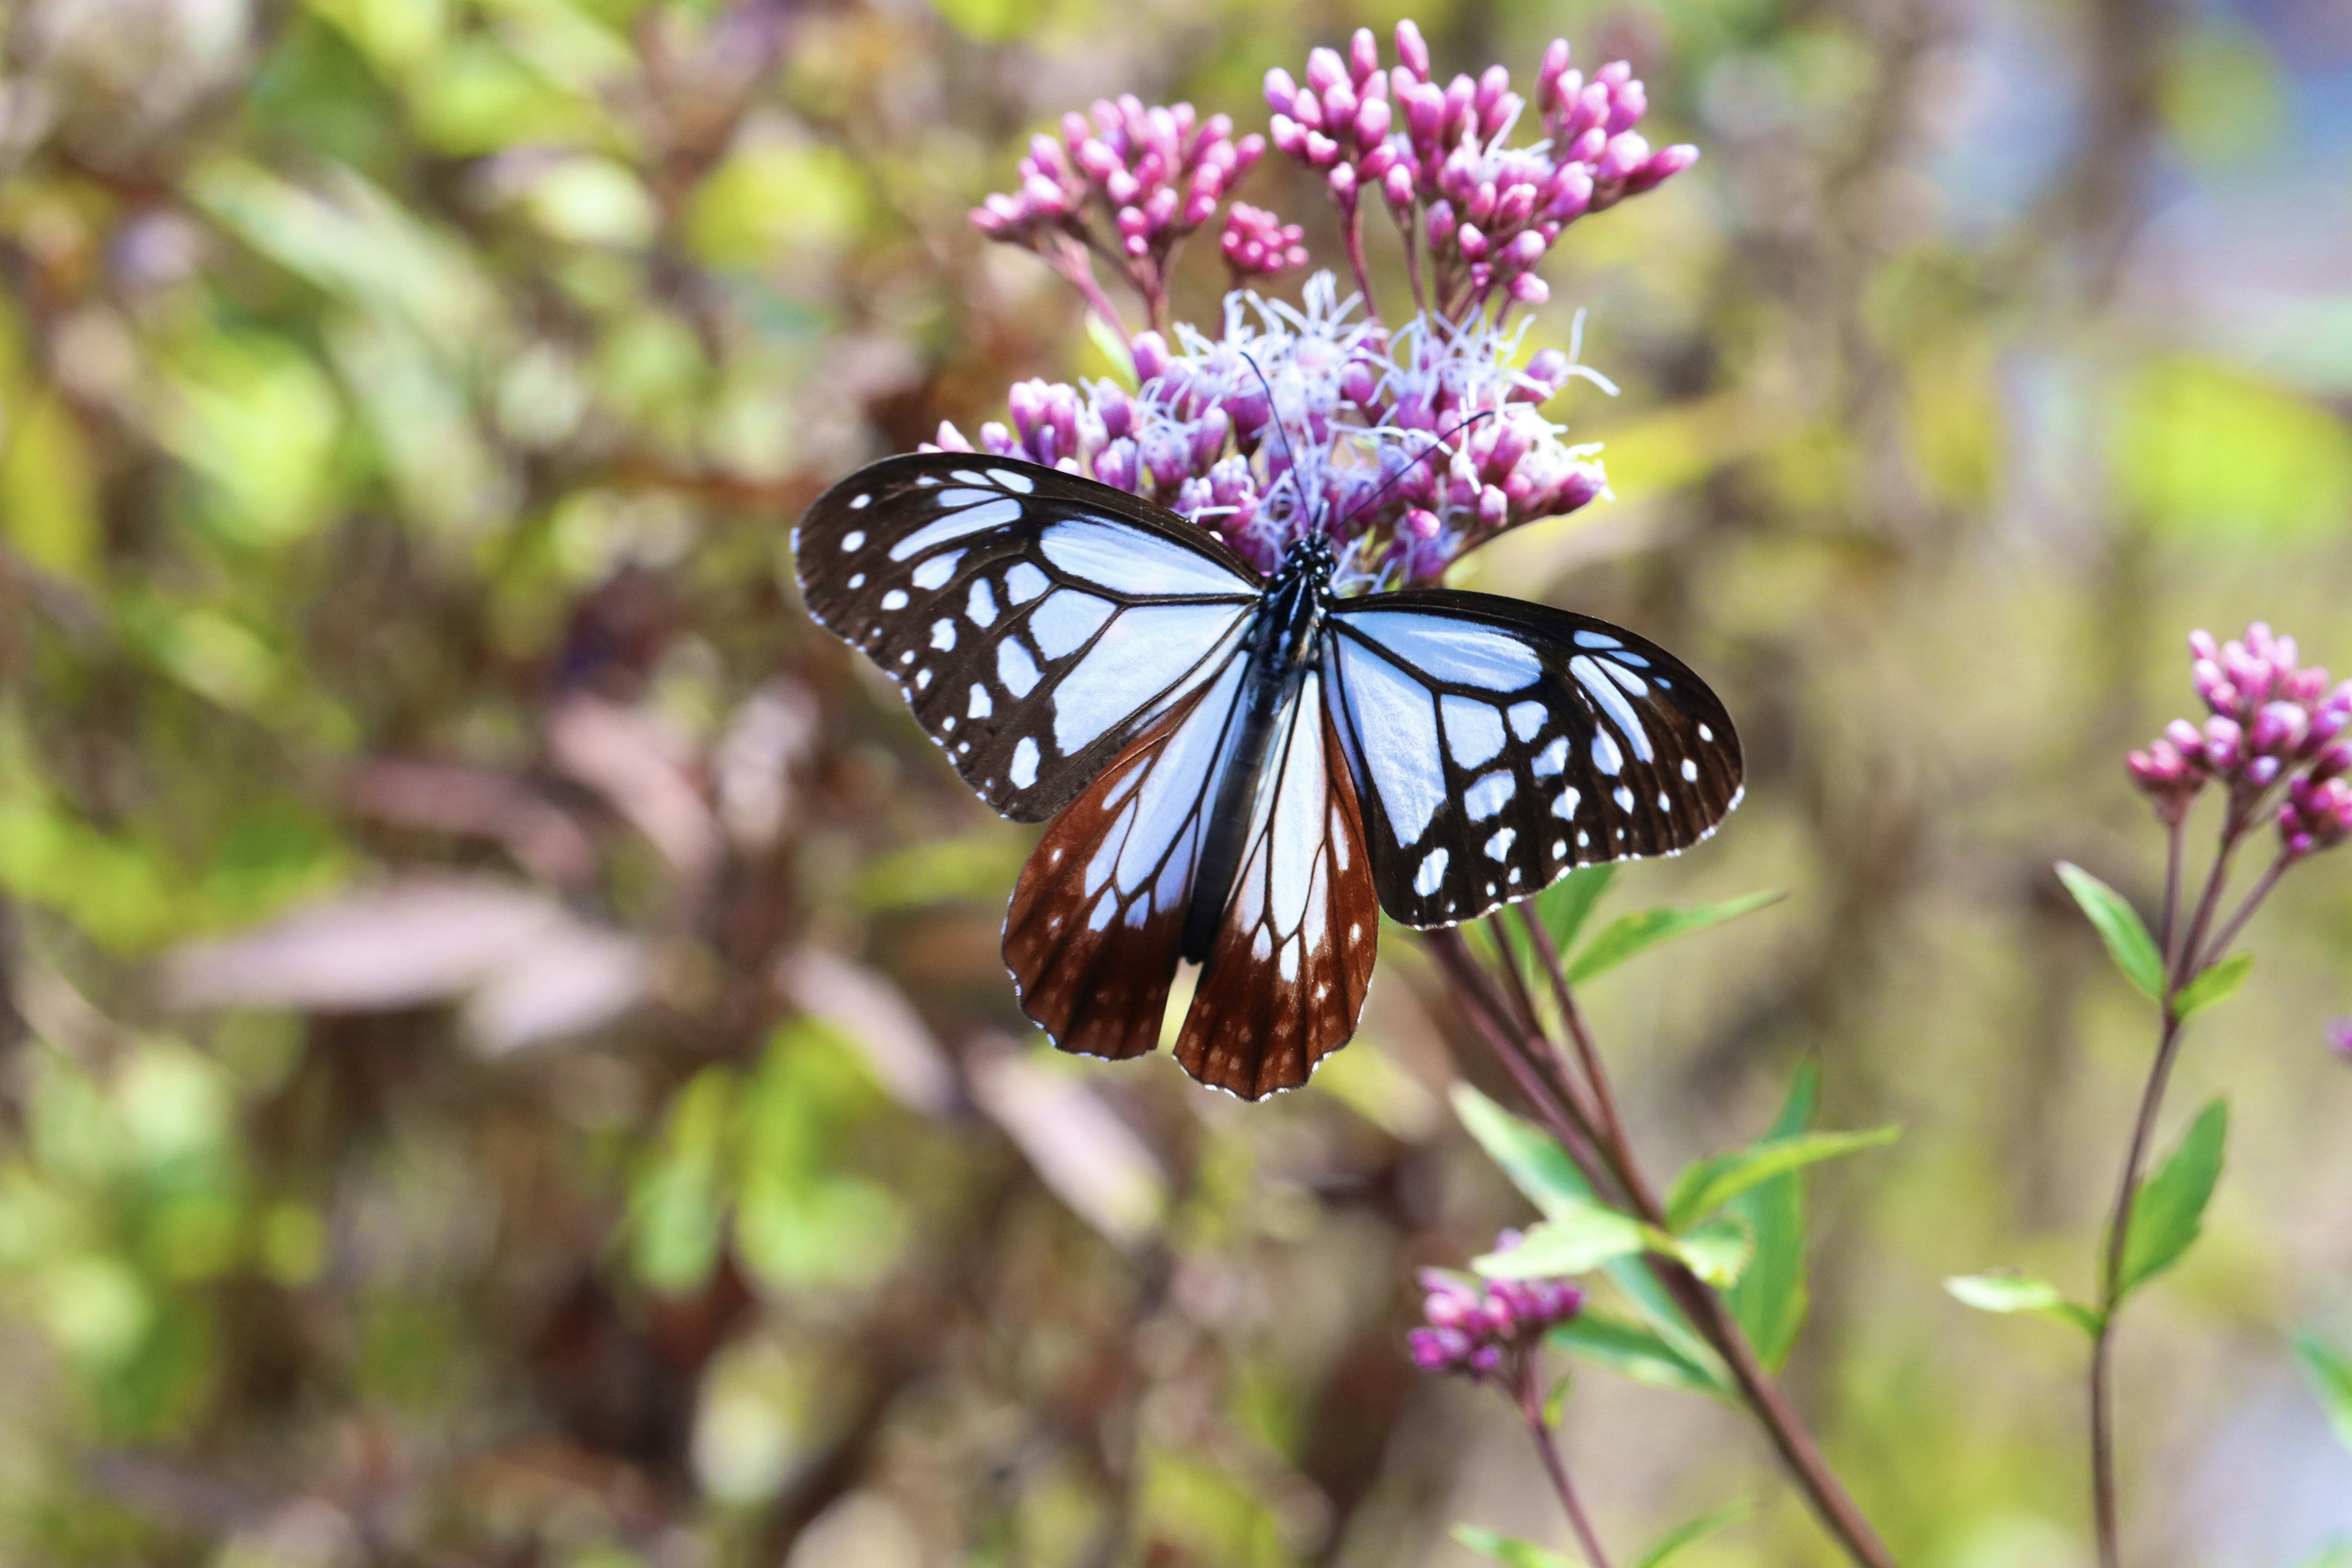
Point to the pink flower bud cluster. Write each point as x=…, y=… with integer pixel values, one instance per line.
x=1258, y=244
x=2269, y=720
x=1404, y=450
x=1487, y=214
x=1481, y=1330
x=1131, y=183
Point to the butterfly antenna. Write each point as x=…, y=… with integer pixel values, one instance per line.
x=1397, y=479
x=1273, y=418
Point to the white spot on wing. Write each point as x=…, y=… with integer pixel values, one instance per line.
x=933, y=574
x=1425, y=882
x=943, y=635
x=1138, y=656
x=1606, y=754
x=1016, y=670
x=1024, y=582
x=1490, y=796
x=1690, y=771
x=1063, y=622
x=1565, y=806
x=859, y=503
x=1596, y=640
x=1012, y=479
x=1553, y=759
x=983, y=706
x=855, y=538
x=1129, y=560
x=980, y=605
x=1500, y=847
x=896, y=599
x=1527, y=720
x=955, y=525
x=1705, y=733
x=1623, y=797
x=1474, y=731
x=1023, y=772
x=1451, y=650
x=1603, y=691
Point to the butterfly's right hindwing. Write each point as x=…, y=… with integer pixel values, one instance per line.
x=1035, y=621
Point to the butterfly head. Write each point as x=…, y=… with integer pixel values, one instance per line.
x=1308, y=557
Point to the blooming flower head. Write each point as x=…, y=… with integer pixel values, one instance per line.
x=1480, y=1329
x=1400, y=446
x=2271, y=724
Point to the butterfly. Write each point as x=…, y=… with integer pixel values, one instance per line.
x=1242, y=771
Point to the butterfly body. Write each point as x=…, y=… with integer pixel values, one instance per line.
x=1237, y=771
x=1283, y=641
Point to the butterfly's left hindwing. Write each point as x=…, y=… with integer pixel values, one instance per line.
x=1500, y=744
x=1035, y=621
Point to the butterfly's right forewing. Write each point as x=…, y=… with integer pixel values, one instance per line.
x=1035, y=621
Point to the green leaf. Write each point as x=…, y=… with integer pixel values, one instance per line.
x=1671, y=1545
x=1541, y=1170
x=1705, y=1186
x=2218, y=983
x=2010, y=1291
x=1567, y=903
x=1635, y=1350
x=1718, y=1251
x=2119, y=926
x=1535, y=1165
x=2170, y=1210
x=1112, y=345
x=1623, y=938
x=2331, y=1373
x=2336, y=1553
x=1578, y=1238
x=1510, y=1550
x=1770, y=1301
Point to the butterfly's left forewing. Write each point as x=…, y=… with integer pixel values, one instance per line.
x=1036, y=621
x=1500, y=744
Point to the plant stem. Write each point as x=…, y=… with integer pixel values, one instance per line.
x=2171, y=889
x=1548, y=1449
x=2103, y=1436
x=1595, y=1138
x=1353, y=230
x=2244, y=912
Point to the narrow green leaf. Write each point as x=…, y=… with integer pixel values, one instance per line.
x=1705, y=1186
x=2331, y=1373
x=2010, y=1291
x=1578, y=1238
x=2169, y=1211
x=1565, y=905
x=1555, y=1404
x=2119, y=926
x=1630, y=935
x=1510, y=1551
x=2218, y=983
x=1535, y=1165
x=1541, y=1170
x=1772, y=1300
x=1112, y=346
x=1718, y=1251
x=1635, y=1350
x=1672, y=1544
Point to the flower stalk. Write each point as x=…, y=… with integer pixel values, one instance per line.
x=2273, y=742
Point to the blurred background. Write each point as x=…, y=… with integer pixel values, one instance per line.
x=503, y=1056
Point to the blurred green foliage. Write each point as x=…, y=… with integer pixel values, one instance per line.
x=503, y=1056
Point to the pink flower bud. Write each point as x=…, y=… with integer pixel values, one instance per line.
x=1424, y=113
x=1149, y=351
x=1470, y=242
x=950, y=439
x=1625, y=152
x=1629, y=103
x=1340, y=106
x=2202, y=647
x=1289, y=136
x=1413, y=51
x=1396, y=186
x=1325, y=70
x=1548, y=75
x=1524, y=250
x=1663, y=165
x=1321, y=151
x=1437, y=224
x=1372, y=121
x=1363, y=56
x=1307, y=109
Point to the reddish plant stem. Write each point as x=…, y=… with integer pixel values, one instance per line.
x=1353, y=231
x=2220, y=945
x=2172, y=850
x=1548, y=1449
x=1618, y=1170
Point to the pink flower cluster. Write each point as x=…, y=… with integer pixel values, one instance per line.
x=1479, y=1329
x=1487, y=214
x=1151, y=174
x=1258, y=244
x=2271, y=720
